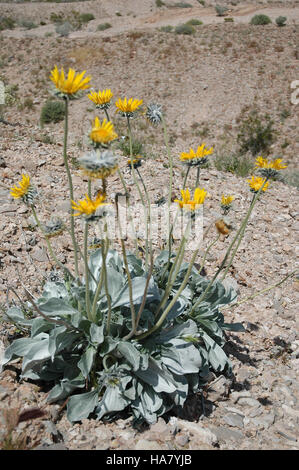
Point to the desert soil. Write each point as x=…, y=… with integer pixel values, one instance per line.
x=207, y=83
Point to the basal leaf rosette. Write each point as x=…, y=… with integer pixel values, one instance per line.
x=147, y=378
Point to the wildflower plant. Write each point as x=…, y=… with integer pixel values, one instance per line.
x=125, y=330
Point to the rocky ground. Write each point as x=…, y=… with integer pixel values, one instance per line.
x=207, y=81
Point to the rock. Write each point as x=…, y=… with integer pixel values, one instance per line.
x=234, y=419
x=144, y=444
x=57, y=446
x=224, y=434
x=219, y=389
x=39, y=254
x=181, y=439
x=264, y=422
x=201, y=433
x=290, y=411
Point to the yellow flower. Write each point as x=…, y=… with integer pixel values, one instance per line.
x=102, y=98
x=128, y=107
x=87, y=206
x=256, y=183
x=274, y=164
x=102, y=133
x=72, y=84
x=23, y=189
x=198, y=157
x=187, y=202
x=136, y=162
x=227, y=200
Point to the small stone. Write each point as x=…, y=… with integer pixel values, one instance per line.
x=144, y=444
x=57, y=446
x=290, y=411
x=201, y=433
x=182, y=439
x=39, y=254
x=234, y=420
x=224, y=434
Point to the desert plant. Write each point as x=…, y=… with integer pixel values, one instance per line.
x=159, y=3
x=52, y=111
x=232, y=162
x=256, y=134
x=229, y=19
x=64, y=29
x=221, y=10
x=103, y=26
x=166, y=29
x=6, y=22
x=128, y=331
x=86, y=17
x=194, y=22
x=184, y=29
x=27, y=24
x=281, y=20
x=260, y=20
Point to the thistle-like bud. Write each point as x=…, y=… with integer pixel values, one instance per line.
x=154, y=113
x=96, y=164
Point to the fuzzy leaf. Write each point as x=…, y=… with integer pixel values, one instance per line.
x=114, y=398
x=80, y=406
x=20, y=347
x=130, y=354
x=16, y=315
x=159, y=378
x=96, y=333
x=217, y=357
x=182, y=358
x=56, y=307
x=138, y=287
x=86, y=361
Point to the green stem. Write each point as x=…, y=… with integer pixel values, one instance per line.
x=87, y=294
x=98, y=289
x=133, y=315
x=206, y=253
x=107, y=115
x=148, y=221
x=174, y=269
x=243, y=225
x=267, y=289
x=129, y=210
x=52, y=254
x=89, y=188
x=186, y=176
x=106, y=286
x=170, y=160
x=173, y=301
x=72, y=222
x=197, y=177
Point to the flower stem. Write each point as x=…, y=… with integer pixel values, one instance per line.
x=197, y=177
x=87, y=295
x=129, y=210
x=186, y=176
x=243, y=228
x=170, y=160
x=72, y=222
x=240, y=231
x=267, y=289
x=173, y=301
x=49, y=244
